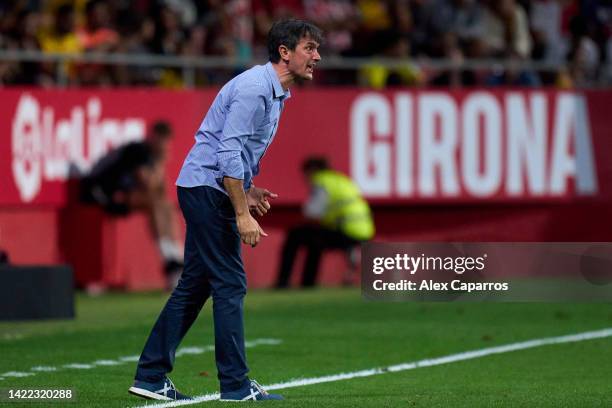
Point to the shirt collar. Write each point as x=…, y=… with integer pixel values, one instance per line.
x=276, y=85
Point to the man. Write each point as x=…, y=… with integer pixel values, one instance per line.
x=343, y=220
x=60, y=39
x=132, y=178
x=217, y=197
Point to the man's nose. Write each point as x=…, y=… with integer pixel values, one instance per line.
x=317, y=56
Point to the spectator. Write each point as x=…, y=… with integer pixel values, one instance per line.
x=137, y=32
x=375, y=18
x=267, y=11
x=463, y=18
x=169, y=34
x=343, y=220
x=21, y=28
x=98, y=36
x=583, y=55
x=550, y=39
x=241, y=27
x=132, y=178
x=337, y=18
x=456, y=30
x=168, y=40
x=186, y=11
x=378, y=76
x=506, y=30
x=375, y=15
x=61, y=38
x=456, y=76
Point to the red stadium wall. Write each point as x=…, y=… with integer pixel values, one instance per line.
x=482, y=165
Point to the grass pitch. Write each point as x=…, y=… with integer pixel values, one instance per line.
x=325, y=332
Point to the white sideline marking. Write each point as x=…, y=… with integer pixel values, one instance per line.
x=194, y=350
x=43, y=369
x=107, y=363
x=467, y=355
x=261, y=342
x=79, y=366
x=17, y=374
x=129, y=359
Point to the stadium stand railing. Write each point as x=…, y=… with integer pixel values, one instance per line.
x=190, y=64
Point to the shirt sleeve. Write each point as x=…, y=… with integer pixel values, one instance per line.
x=246, y=111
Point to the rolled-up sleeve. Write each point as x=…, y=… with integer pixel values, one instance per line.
x=246, y=112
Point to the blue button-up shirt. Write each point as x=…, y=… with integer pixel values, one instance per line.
x=236, y=131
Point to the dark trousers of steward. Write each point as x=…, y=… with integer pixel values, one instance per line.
x=213, y=266
x=315, y=239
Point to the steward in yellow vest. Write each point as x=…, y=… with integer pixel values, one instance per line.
x=346, y=211
x=343, y=220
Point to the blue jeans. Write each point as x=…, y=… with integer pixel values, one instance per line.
x=213, y=266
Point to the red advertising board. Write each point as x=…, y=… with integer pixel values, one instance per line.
x=470, y=156
x=417, y=146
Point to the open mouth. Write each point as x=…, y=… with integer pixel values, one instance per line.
x=310, y=68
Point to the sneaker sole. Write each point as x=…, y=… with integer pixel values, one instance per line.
x=249, y=400
x=236, y=400
x=141, y=392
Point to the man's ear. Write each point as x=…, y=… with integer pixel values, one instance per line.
x=284, y=53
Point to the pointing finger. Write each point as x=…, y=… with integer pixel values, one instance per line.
x=270, y=194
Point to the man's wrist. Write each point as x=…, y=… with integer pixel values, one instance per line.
x=237, y=195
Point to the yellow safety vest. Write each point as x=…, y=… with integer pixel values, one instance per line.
x=346, y=210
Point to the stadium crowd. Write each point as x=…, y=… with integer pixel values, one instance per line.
x=575, y=36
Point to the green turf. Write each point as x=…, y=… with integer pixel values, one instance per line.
x=327, y=332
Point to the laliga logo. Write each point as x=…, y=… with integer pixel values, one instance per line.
x=45, y=150
x=27, y=148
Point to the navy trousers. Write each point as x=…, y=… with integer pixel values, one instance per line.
x=213, y=266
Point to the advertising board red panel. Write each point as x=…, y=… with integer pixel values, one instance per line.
x=522, y=165
x=399, y=146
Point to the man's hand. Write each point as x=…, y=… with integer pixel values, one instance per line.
x=249, y=229
x=257, y=199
